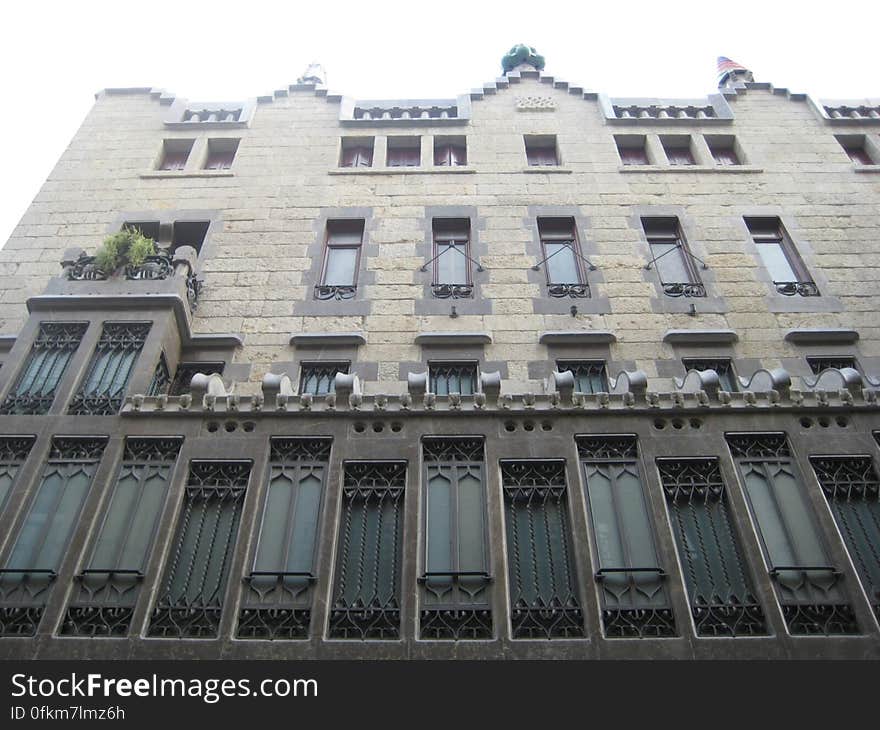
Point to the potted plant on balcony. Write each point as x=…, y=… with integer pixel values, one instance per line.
x=129, y=247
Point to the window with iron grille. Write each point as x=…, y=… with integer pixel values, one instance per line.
x=161, y=378
x=807, y=584
x=175, y=153
x=820, y=364
x=356, y=152
x=106, y=590
x=452, y=259
x=541, y=150
x=192, y=591
x=277, y=599
x=672, y=258
x=453, y=377
x=544, y=600
x=632, y=583
x=183, y=376
x=589, y=375
x=404, y=152
x=53, y=348
x=852, y=488
x=13, y=452
x=319, y=378
x=561, y=257
x=115, y=355
x=782, y=262
x=342, y=254
x=450, y=151
x=221, y=153
x=455, y=581
x=721, y=593
x=366, y=591
x=32, y=565
x=678, y=149
x=721, y=365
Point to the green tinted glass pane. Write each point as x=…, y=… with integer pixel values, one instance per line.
x=608, y=539
x=471, y=539
x=273, y=532
x=439, y=528
x=770, y=523
x=305, y=524
x=66, y=513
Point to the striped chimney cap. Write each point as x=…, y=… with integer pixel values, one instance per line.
x=727, y=67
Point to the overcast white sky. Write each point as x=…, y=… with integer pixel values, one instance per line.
x=55, y=55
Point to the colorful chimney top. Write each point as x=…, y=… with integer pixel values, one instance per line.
x=730, y=72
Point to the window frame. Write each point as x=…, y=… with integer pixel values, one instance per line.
x=546, y=234
x=568, y=363
x=221, y=146
x=432, y=364
x=407, y=145
x=357, y=146
x=681, y=144
x=173, y=149
x=304, y=365
x=676, y=235
x=729, y=373
x=445, y=146
x=536, y=145
x=451, y=235
x=329, y=245
x=804, y=284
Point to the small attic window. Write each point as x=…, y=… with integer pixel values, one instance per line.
x=189, y=233
x=175, y=153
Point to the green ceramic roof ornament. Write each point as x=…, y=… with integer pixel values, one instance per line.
x=521, y=54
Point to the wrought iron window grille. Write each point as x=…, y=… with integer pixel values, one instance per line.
x=161, y=378
x=338, y=292
x=590, y=376
x=682, y=288
x=14, y=451
x=819, y=364
x=319, y=378
x=182, y=381
x=797, y=288
x=448, y=378
x=722, y=367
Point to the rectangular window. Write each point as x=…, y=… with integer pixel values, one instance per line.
x=450, y=151
x=453, y=377
x=189, y=233
x=404, y=152
x=807, y=584
x=277, y=600
x=366, y=590
x=780, y=259
x=722, y=366
x=562, y=259
x=821, y=364
x=185, y=371
x=32, y=566
x=544, y=600
x=541, y=150
x=852, y=488
x=342, y=253
x=53, y=348
x=723, y=148
x=221, y=153
x=13, y=452
x=175, y=153
x=193, y=588
x=672, y=258
x=452, y=258
x=857, y=148
x=107, y=589
x=455, y=594
x=319, y=378
x=678, y=149
x=721, y=593
x=632, y=149
x=632, y=583
x=356, y=152
x=115, y=355
x=589, y=375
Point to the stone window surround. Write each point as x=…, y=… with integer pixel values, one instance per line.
x=776, y=302
x=743, y=367
x=544, y=304
x=870, y=143
x=198, y=157
x=704, y=161
x=359, y=304
x=826, y=343
x=330, y=347
x=712, y=303
x=568, y=346
x=379, y=143
x=449, y=351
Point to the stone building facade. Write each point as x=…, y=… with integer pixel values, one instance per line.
x=532, y=372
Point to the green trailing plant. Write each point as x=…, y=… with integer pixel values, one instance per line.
x=522, y=54
x=127, y=247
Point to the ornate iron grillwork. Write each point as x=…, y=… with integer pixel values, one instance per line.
x=456, y=580
x=721, y=366
x=13, y=452
x=454, y=377
x=108, y=586
x=34, y=390
x=335, y=291
x=366, y=597
x=575, y=291
x=819, y=364
x=29, y=573
x=722, y=598
x=807, y=585
x=115, y=355
x=684, y=289
x=190, y=602
x=320, y=378
x=635, y=602
x=161, y=378
x=544, y=600
x=194, y=287
x=797, y=288
x=278, y=592
x=852, y=488
x=589, y=375
x=452, y=291
x=185, y=371
x=85, y=268
x=156, y=267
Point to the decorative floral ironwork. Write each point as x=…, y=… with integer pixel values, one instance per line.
x=638, y=622
x=292, y=449
x=97, y=621
x=15, y=449
x=684, y=289
x=227, y=474
x=274, y=623
x=77, y=448
x=452, y=291
x=575, y=291
x=155, y=267
x=805, y=619
x=607, y=447
x=336, y=291
x=453, y=377
x=20, y=620
x=797, y=288
x=758, y=445
x=451, y=449
x=589, y=375
x=455, y=623
x=152, y=448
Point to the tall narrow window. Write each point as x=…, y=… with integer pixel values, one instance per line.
x=28, y=573
x=404, y=152
x=787, y=271
x=635, y=601
x=852, y=488
x=191, y=594
x=722, y=366
x=102, y=390
x=34, y=390
x=452, y=259
x=277, y=600
x=453, y=377
x=544, y=601
x=319, y=378
x=161, y=378
x=807, y=584
x=672, y=258
x=720, y=589
x=455, y=595
x=107, y=589
x=561, y=257
x=342, y=253
x=678, y=149
x=221, y=153
x=366, y=592
x=450, y=151
x=541, y=150
x=356, y=152
x=13, y=451
x=589, y=375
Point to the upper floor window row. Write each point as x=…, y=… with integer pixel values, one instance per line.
x=191, y=155
x=403, y=151
x=679, y=150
